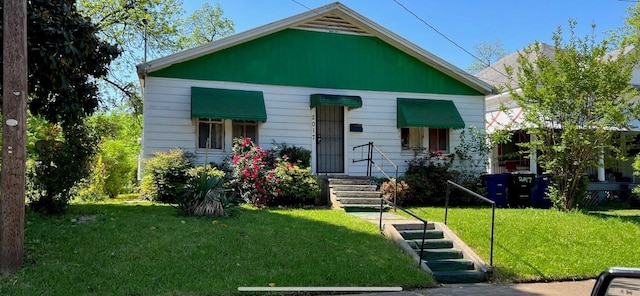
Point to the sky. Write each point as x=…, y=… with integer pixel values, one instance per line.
x=517, y=23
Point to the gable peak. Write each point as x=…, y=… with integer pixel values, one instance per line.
x=332, y=22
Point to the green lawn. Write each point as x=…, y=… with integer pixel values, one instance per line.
x=542, y=245
x=120, y=248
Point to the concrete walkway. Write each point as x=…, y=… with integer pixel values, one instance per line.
x=387, y=217
x=570, y=288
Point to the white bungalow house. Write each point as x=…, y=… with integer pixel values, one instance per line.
x=506, y=157
x=326, y=80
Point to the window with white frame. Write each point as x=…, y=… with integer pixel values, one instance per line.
x=411, y=138
x=439, y=139
x=245, y=129
x=210, y=133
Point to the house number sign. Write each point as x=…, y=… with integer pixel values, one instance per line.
x=313, y=127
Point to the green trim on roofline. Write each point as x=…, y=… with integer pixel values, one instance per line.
x=321, y=60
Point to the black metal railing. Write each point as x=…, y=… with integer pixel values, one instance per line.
x=380, y=165
x=371, y=162
x=425, y=223
x=480, y=197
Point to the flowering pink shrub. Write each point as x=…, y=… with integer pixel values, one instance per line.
x=252, y=174
x=264, y=179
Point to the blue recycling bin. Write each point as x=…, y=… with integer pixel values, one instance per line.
x=496, y=188
x=539, y=198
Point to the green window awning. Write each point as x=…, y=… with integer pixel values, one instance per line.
x=336, y=100
x=232, y=104
x=428, y=113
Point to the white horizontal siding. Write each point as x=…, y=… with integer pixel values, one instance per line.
x=168, y=124
x=378, y=116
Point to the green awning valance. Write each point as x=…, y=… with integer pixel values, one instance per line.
x=336, y=100
x=428, y=113
x=217, y=103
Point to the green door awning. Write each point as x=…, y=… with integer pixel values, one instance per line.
x=217, y=103
x=428, y=113
x=336, y=100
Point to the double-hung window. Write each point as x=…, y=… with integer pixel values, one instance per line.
x=210, y=133
x=439, y=139
x=245, y=129
x=413, y=138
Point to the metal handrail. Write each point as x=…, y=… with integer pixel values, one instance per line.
x=480, y=197
x=370, y=162
x=424, y=222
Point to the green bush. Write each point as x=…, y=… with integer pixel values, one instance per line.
x=165, y=175
x=472, y=181
x=62, y=159
x=93, y=187
x=427, y=176
x=120, y=165
x=296, y=185
x=113, y=172
x=295, y=154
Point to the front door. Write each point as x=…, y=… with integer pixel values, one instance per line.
x=330, y=139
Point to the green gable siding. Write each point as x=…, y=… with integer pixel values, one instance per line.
x=320, y=60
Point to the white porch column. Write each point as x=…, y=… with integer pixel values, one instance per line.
x=601, y=174
x=533, y=157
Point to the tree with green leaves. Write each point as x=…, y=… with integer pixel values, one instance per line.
x=157, y=26
x=65, y=57
x=486, y=54
x=573, y=102
x=114, y=166
x=630, y=33
x=203, y=26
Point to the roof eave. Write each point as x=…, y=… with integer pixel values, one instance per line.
x=370, y=26
x=232, y=40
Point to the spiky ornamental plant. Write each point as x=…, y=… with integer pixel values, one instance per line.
x=204, y=194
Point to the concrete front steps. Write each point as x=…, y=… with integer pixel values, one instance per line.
x=443, y=253
x=354, y=194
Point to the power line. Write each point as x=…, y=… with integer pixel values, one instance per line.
x=447, y=37
x=301, y=4
x=430, y=26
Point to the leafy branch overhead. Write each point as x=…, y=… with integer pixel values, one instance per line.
x=164, y=26
x=65, y=56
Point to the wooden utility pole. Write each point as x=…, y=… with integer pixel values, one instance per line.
x=14, y=117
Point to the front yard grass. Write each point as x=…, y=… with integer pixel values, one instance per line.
x=124, y=248
x=547, y=245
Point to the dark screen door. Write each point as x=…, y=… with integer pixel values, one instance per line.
x=330, y=139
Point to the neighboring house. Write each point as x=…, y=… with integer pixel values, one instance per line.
x=326, y=80
x=508, y=157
